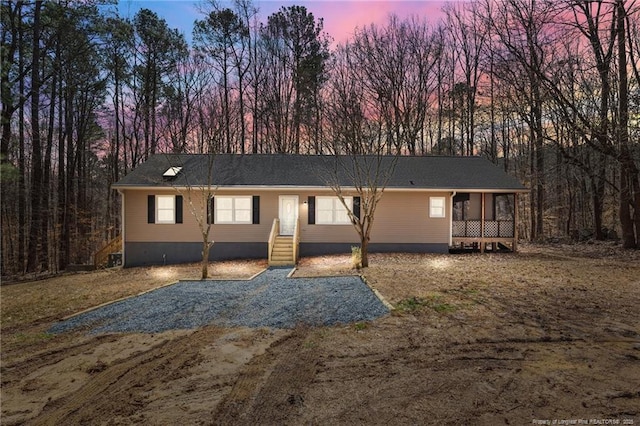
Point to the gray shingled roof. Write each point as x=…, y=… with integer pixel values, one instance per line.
x=284, y=170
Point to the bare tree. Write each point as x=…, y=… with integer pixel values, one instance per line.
x=194, y=184
x=35, y=252
x=159, y=47
x=358, y=146
x=296, y=52
x=523, y=43
x=470, y=38
x=395, y=65
x=182, y=95
x=629, y=173
x=219, y=36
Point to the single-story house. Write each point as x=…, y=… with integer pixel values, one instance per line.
x=281, y=206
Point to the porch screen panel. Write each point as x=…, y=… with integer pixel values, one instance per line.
x=461, y=206
x=504, y=206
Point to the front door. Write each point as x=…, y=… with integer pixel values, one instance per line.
x=288, y=214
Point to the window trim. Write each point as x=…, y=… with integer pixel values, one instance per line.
x=441, y=212
x=336, y=203
x=233, y=221
x=172, y=209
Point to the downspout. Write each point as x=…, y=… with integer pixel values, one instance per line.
x=122, y=226
x=453, y=194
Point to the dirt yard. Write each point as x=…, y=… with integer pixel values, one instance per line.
x=551, y=333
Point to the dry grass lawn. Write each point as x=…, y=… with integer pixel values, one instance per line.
x=30, y=307
x=550, y=333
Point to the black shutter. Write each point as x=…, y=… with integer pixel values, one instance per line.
x=312, y=210
x=210, y=212
x=178, y=208
x=256, y=209
x=151, y=209
x=356, y=207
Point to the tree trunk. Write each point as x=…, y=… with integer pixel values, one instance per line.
x=62, y=211
x=597, y=211
x=46, y=178
x=539, y=155
x=626, y=222
x=22, y=187
x=364, y=251
x=628, y=169
x=206, y=247
x=35, y=241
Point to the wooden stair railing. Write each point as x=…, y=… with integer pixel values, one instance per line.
x=272, y=237
x=102, y=256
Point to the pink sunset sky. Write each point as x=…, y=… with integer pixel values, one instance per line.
x=341, y=17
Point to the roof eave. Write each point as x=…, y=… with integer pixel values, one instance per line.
x=314, y=187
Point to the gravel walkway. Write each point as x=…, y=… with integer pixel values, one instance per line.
x=269, y=300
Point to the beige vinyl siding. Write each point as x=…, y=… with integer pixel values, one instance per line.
x=401, y=217
x=138, y=230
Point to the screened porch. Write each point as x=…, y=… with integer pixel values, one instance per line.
x=484, y=221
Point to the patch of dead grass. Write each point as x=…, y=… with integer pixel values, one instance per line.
x=28, y=303
x=323, y=266
x=581, y=276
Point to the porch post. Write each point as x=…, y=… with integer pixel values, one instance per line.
x=122, y=227
x=482, y=223
x=515, y=222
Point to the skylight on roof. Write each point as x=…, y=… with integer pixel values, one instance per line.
x=172, y=172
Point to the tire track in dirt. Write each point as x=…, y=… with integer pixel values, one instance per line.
x=271, y=387
x=126, y=382
x=512, y=378
x=16, y=370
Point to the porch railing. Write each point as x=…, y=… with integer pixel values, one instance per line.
x=275, y=230
x=296, y=241
x=492, y=228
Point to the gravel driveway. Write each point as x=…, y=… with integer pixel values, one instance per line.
x=269, y=300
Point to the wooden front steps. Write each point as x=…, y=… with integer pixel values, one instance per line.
x=282, y=252
x=101, y=258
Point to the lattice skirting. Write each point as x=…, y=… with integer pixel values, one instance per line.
x=506, y=229
x=492, y=228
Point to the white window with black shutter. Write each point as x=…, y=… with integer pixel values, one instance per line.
x=164, y=209
x=234, y=210
x=329, y=210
